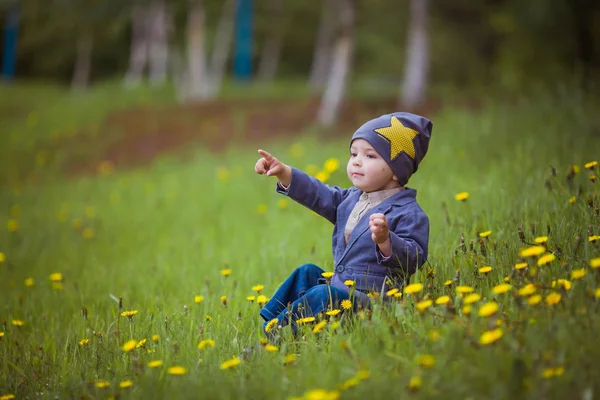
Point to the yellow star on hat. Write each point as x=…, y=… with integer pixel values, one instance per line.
x=400, y=138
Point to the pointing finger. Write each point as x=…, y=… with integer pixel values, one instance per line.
x=266, y=155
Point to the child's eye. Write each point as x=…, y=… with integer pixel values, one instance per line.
x=352, y=154
x=372, y=156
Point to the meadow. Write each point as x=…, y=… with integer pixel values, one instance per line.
x=146, y=282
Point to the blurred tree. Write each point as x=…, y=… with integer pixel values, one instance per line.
x=269, y=59
x=340, y=64
x=322, y=50
x=417, y=59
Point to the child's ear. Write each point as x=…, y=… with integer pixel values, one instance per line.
x=395, y=178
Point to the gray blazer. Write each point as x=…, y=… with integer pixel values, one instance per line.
x=360, y=260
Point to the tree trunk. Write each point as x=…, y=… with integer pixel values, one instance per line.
x=336, y=81
x=222, y=47
x=417, y=57
x=269, y=59
x=158, y=42
x=83, y=61
x=198, y=81
x=322, y=53
x=138, y=53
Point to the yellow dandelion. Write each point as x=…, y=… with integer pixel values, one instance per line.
x=223, y=174
x=88, y=233
x=442, y=300
x=553, y=298
x=1, y=335
x=488, y=309
x=532, y=251
x=56, y=277
x=289, y=358
x=12, y=225
x=501, y=288
x=206, y=343
x=141, y=343
x=485, y=234
x=346, y=304
x=434, y=335
x=448, y=282
x=208, y=318
x=491, y=336
x=261, y=209
x=57, y=285
x=392, y=292
x=413, y=288
x=234, y=362
x=2, y=257
x=226, y=272
x=155, y=338
x=327, y=275
x=541, y=239
x=593, y=238
x=349, y=282
x=7, y=396
x=464, y=289
x=462, y=196
x=578, y=273
x=29, y=282
x=262, y=299
x=198, y=299
x=17, y=322
x=426, y=360
x=333, y=313
x=545, y=259
x=507, y=279
x=414, y=383
x=485, y=269
x=562, y=283
x=590, y=164
x=472, y=298
x=535, y=299
x=305, y=320
x=258, y=288
x=251, y=298
x=398, y=295
x=129, y=314
x=321, y=394
x=466, y=310
x=155, y=363
x=595, y=263
x=84, y=342
x=102, y=384
x=126, y=384
x=323, y=176
x=519, y=266
x=597, y=293
x=176, y=370
x=331, y=165
x=527, y=290
x=572, y=199
x=224, y=300
x=319, y=327
x=335, y=324
x=424, y=305
x=129, y=345
x=271, y=348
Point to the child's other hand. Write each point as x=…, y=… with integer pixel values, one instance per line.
x=378, y=224
x=268, y=165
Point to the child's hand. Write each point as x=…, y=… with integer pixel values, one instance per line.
x=379, y=228
x=271, y=166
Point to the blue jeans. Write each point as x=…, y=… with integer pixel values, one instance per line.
x=306, y=293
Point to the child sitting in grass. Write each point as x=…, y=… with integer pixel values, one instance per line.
x=380, y=233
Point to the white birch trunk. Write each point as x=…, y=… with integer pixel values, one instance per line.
x=336, y=81
x=198, y=85
x=322, y=53
x=138, y=53
x=417, y=57
x=158, y=46
x=222, y=46
x=269, y=59
x=83, y=61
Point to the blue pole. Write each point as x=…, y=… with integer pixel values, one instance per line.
x=242, y=62
x=9, y=57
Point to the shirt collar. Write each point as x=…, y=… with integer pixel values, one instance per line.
x=380, y=195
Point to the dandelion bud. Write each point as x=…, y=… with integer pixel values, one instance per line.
x=462, y=243
x=553, y=171
x=120, y=303
x=521, y=234
x=482, y=248
x=84, y=312
x=471, y=249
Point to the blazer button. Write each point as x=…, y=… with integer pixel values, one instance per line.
x=349, y=270
x=339, y=269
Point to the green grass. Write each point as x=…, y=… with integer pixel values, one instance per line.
x=163, y=233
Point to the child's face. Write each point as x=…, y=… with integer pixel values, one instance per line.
x=367, y=170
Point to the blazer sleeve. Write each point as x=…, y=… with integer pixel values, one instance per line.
x=314, y=194
x=410, y=242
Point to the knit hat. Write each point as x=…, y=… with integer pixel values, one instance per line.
x=400, y=138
